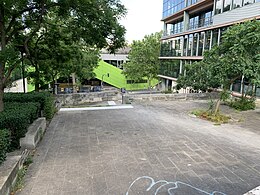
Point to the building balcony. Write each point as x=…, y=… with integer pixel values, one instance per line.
x=205, y=22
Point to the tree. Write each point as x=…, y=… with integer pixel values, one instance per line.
x=93, y=22
x=236, y=56
x=144, y=59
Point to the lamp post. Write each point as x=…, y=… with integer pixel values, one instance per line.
x=107, y=74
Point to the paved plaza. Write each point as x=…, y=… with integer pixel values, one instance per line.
x=152, y=148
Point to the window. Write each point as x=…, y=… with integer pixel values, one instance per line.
x=201, y=40
x=214, y=40
x=227, y=5
x=218, y=7
x=222, y=32
x=246, y=2
x=207, y=40
x=195, y=43
x=237, y=3
x=190, y=41
x=185, y=43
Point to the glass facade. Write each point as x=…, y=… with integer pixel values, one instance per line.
x=170, y=68
x=172, y=6
x=200, y=20
x=193, y=44
x=172, y=47
x=226, y=5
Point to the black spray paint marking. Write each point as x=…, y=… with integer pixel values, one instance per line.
x=171, y=190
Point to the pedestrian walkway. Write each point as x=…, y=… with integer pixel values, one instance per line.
x=154, y=148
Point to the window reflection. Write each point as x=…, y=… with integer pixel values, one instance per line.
x=218, y=6
x=227, y=5
x=195, y=43
x=237, y=3
x=201, y=40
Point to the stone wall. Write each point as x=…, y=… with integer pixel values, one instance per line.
x=83, y=98
x=128, y=98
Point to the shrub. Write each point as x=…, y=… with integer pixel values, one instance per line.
x=208, y=115
x=45, y=99
x=4, y=143
x=16, y=118
x=243, y=104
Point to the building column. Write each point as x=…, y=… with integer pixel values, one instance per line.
x=186, y=21
x=165, y=29
x=181, y=66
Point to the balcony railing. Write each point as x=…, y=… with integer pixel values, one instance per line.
x=201, y=23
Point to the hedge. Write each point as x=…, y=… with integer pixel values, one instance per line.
x=45, y=99
x=16, y=118
x=4, y=143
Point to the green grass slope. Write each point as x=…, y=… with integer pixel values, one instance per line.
x=116, y=78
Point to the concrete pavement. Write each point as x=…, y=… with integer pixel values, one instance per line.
x=154, y=148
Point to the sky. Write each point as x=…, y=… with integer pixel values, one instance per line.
x=143, y=18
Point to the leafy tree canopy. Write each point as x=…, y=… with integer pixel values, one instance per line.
x=92, y=23
x=144, y=58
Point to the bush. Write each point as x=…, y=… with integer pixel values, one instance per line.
x=16, y=118
x=243, y=104
x=45, y=99
x=4, y=143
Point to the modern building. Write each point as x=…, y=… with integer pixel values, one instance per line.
x=117, y=59
x=194, y=26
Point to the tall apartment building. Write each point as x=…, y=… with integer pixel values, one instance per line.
x=194, y=26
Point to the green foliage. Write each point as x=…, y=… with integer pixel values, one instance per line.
x=45, y=99
x=16, y=118
x=236, y=56
x=144, y=59
x=19, y=184
x=57, y=30
x=208, y=115
x=243, y=104
x=4, y=143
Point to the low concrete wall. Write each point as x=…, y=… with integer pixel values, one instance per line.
x=128, y=98
x=82, y=98
x=34, y=134
x=9, y=170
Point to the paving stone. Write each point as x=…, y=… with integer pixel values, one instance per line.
x=103, y=152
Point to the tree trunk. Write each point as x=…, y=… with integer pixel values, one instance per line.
x=37, y=78
x=1, y=96
x=243, y=90
x=217, y=107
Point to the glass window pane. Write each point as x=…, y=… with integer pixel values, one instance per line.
x=207, y=40
x=185, y=45
x=190, y=44
x=237, y=3
x=195, y=42
x=246, y=2
x=201, y=40
x=227, y=5
x=214, y=38
x=218, y=6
